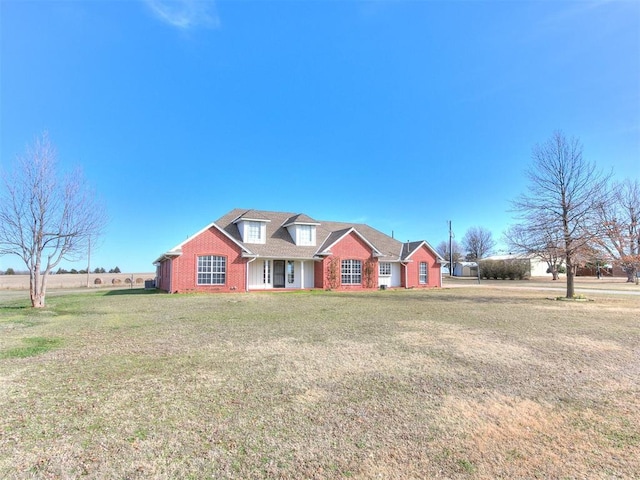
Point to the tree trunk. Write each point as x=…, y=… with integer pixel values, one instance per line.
x=570, y=275
x=631, y=275
x=37, y=286
x=554, y=274
x=37, y=301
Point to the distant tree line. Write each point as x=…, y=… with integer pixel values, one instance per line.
x=60, y=271
x=96, y=270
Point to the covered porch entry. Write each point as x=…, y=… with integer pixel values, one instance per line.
x=276, y=273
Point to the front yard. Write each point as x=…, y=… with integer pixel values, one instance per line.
x=453, y=383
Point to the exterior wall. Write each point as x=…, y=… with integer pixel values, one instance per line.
x=465, y=269
x=539, y=268
x=256, y=275
x=210, y=242
x=396, y=275
x=412, y=270
x=300, y=269
x=351, y=247
x=385, y=280
x=309, y=280
x=394, y=280
x=163, y=275
x=320, y=273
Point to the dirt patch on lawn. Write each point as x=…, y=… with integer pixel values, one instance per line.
x=511, y=437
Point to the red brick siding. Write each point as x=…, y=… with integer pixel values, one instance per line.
x=351, y=247
x=320, y=273
x=412, y=274
x=163, y=273
x=210, y=242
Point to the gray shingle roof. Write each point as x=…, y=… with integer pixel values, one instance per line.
x=279, y=243
x=300, y=218
x=251, y=215
x=410, y=247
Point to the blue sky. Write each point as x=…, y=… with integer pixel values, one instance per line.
x=400, y=114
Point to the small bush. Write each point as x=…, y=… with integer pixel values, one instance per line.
x=139, y=281
x=116, y=281
x=97, y=281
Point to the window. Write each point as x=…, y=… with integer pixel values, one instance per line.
x=290, y=271
x=351, y=272
x=423, y=273
x=212, y=270
x=254, y=232
x=384, y=268
x=266, y=272
x=305, y=235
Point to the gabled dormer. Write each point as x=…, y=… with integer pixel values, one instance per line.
x=302, y=230
x=252, y=227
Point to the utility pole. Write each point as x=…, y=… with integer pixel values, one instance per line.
x=450, y=250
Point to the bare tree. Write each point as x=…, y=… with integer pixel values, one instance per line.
x=621, y=221
x=541, y=242
x=45, y=217
x=478, y=243
x=454, y=254
x=564, y=195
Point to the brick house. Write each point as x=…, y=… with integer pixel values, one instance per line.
x=248, y=250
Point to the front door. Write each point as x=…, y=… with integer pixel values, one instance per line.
x=278, y=274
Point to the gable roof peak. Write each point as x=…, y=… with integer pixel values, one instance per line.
x=337, y=235
x=300, y=219
x=252, y=215
x=409, y=248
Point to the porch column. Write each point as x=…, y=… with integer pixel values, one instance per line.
x=301, y=274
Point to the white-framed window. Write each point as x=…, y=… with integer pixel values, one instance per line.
x=384, y=269
x=351, y=272
x=423, y=273
x=212, y=270
x=254, y=232
x=305, y=235
x=266, y=272
x=290, y=271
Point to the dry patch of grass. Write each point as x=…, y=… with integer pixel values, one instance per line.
x=460, y=383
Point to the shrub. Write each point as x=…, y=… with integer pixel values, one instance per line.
x=512, y=269
x=139, y=281
x=116, y=281
x=97, y=281
x=368, y=271
x=333, y=273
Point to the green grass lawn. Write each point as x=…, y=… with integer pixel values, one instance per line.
x=450, y=383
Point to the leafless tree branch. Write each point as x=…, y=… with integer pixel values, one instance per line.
x=46, y=217
x=563, y=195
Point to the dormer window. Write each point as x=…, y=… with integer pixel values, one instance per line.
x=302, y=230
x=254, y=232
x=303, y=235
x=306, y=234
